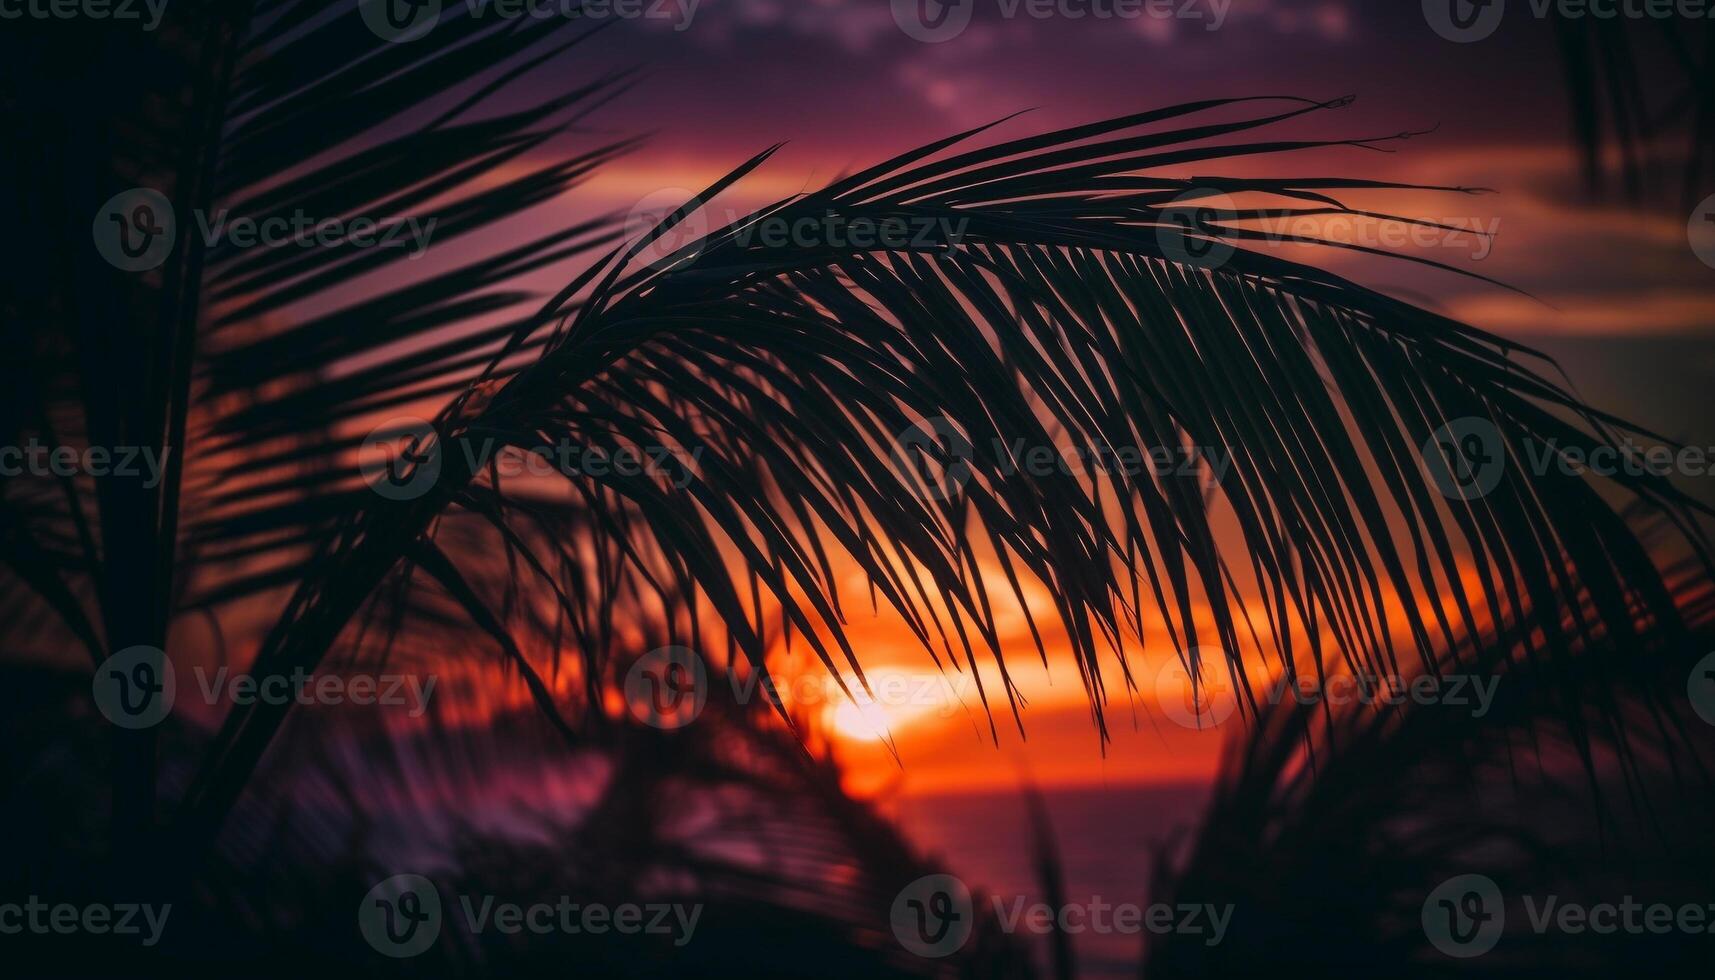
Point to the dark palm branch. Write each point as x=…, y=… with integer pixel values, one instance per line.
x=258, y=110
x=1329, y=826
x=1065, y=312
x=1638, y=93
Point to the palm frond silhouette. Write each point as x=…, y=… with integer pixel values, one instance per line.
x=1330, y=825
x=1078, y=290
x=1639, y=96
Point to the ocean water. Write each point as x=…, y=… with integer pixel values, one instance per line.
x=1108, y=841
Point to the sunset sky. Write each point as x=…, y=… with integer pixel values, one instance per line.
x=1615, y=291
x=997, y=488
x=1620, y=297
